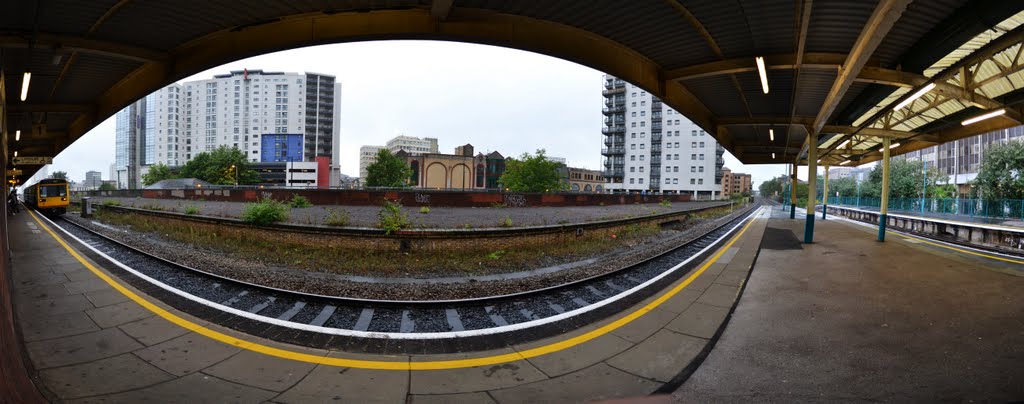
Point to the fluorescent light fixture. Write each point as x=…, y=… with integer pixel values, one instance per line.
x=819, y=160
x=845, y=163
x=764, y=75
x=15, y=153
x=924, y=90
x=773, y=156
x=892, y=146
x=843, y=144
x=17, y=135
x=992, y=114
x=24, y=85
x=771, y=134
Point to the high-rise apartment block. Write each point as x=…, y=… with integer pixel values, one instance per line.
x=93, y=179
x=649, y=147
x=270, y=116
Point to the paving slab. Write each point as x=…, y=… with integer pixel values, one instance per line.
x=117, y=314
x=194, y=388
x=111, y=375
x=464, y=398
x=88, y=285
x=106, y=297
x=153, y=330
x=732, y=278
x=334, y=384
x=39, y=292
x=262, y=371
x=660, y=357
x=719, y=295
x=27, y=279
x=580, y=356
x=479, y=378
x=645, y=326
x=80, y=348
x=53, y=306
x=80, y=275
x=595, y=383
x=186, y=354
x=699, y=320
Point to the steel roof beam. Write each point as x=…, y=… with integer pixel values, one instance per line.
x=439, y=9
x=70, y=43
x=886, y=13
x=22, y=108
x=811, y=60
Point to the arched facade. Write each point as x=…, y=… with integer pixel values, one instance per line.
x=437, y=176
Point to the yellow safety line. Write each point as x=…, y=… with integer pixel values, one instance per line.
x=994, y=257
x=391, y=365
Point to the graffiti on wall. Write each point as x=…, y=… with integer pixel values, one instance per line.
x=515, y=200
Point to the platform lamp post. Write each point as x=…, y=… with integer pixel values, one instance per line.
x=924, y=184
x=824, y=195
x=234, y=167
x=792, y=193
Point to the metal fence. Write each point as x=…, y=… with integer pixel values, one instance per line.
x=996, y=209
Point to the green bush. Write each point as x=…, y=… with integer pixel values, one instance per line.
x=507, y=222
x=391, y=218
x=336, y=217
x=424, y=209
x=264, y=212
x=299, y=201
x=666, y=203
x=192, y=210
x=111, y=202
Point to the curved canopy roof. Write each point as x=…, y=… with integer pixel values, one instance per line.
x=833, y=67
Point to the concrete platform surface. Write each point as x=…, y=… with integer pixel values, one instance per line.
x=850, y=319
x=89, y=342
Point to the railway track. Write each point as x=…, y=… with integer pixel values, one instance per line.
x=383, y=326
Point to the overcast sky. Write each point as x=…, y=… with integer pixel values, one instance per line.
x=495, y=98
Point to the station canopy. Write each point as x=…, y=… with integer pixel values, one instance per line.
x=834, y=68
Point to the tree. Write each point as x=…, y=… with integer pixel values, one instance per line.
x=388, y=171
x=771, y=188
x=157, y=173
x=106, y=186
x=906, y=179
x=846, y=186
x=1002, y=172
x=533, y=174
x=216, y=167
x=60, y=175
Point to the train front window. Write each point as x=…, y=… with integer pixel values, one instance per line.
x=46, y=191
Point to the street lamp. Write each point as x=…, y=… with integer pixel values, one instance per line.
x=234, y=167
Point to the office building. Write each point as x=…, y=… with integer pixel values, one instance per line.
x=270, y=116
x=411, y=145
x=961, y=159
x=649, y=147
x=584, y=180
x=93, y=179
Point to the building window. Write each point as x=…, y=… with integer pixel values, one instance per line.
x=701, y=169
x=693, y=144
x=632, y=146
x=641, y=169
x=675, y=169
x=632, y=169
x=675, y=181
x=692, y=181
x=641, y=180
x=641, y=157
x=630, y=180
x=643, y=134
x=693, y=156
x=693, y=169
x=693, y=133
x=702, y=156
x=700, y=181
x=632, y=158
x=632, y=135
x=701, y=144
x=641, y=146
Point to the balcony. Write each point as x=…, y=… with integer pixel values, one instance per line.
x=656, y=106
x=655, y=148
x=656, y=126
x=615, y=173
x=611, y=92
x=655, y=160
x=607, y=151
x=613, y=130
x=655, y=184
x=618, y=109
x=655, y=138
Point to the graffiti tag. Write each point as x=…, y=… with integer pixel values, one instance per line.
x=265, y=195
x=515, y=200
x=422, y=198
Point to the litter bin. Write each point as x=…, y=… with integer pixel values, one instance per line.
x=86, y=206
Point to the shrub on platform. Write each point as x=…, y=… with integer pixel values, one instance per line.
x=299, y=201
x=264, y=212
x=336, y=217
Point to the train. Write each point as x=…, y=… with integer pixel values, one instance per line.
x=48, y=196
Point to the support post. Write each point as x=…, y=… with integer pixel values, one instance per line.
x=812, y=187
x=884, y=208
x=824, y=195
x=792, y=192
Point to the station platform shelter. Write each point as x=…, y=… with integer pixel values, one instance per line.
x=767, y=317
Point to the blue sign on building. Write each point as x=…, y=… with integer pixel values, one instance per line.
x=281, y=147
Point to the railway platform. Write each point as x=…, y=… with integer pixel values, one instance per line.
x=93, y=338
x=851, y=319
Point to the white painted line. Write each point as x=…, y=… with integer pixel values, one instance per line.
x=430, y=335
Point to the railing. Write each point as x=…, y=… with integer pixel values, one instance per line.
x=996, y=208
x=614, y=173
x=617, y=90
x=656, y=106
x=655, y=148
x=654, y=185
x=616, y=129
x=614, y=110
x=613, y=150
x=656, y=126
x=656, y=138
x=655, y=159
